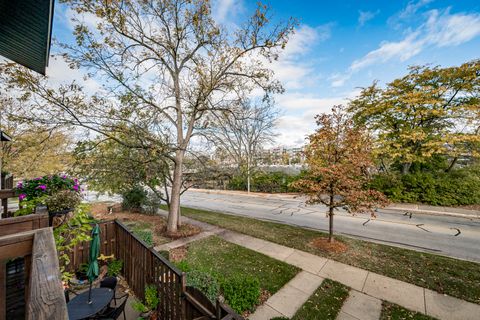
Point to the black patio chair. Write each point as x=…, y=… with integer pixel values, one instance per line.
x=67, y=293
x=111, y=283
x=114, y=313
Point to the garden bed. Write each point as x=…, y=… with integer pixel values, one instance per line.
x=457, y=278
x=150, y=228
x=245, y=278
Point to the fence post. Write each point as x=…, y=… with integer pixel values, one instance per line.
x=182, y=296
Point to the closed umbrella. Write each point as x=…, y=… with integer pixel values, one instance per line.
x=92, y=272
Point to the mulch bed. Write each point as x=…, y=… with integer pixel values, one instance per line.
x=107, y=211
x=323, y=244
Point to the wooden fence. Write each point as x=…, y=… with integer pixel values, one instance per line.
x=143, y=266
x=24, y=223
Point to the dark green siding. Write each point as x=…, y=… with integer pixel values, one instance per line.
x=25, y=29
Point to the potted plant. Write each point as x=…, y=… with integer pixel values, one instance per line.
x=148, y=309
x=59, y=193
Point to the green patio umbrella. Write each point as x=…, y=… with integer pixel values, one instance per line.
x=92, y=272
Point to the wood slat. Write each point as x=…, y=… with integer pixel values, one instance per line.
x=46, y=298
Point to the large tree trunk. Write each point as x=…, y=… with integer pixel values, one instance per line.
x=174, y=210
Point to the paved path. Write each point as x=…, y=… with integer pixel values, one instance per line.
x=452, y=236
x=360, y=306
x=367, y=287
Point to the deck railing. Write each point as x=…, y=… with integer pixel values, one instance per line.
x=143, y=266
x=6, y=192
x=43, y=290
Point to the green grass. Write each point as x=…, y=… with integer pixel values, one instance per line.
x=454, y=277
x=325, y=303
x=392, y=311
x=223, y=259
x=142, y=230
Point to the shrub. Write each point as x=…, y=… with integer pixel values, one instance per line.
x=272, y=182
x=152, y=203
x=204, y=282
x=458, y=187
x=151, y=300
x=134, y=198
x=114, y=267
x=241, y=292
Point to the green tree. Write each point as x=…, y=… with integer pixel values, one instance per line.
x=339, y=159
x=431, y=111
x=35, y=150
x=165, y=67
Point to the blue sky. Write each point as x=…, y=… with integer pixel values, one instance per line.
x=340, y=46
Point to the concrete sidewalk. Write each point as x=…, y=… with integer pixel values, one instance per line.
x=365, y=285
x=362, y=281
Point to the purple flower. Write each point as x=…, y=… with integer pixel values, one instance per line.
x=22, y=196
x=41, y=187
x=64, y=177
x=19, y=185
x=75, y=187
x=36, y=179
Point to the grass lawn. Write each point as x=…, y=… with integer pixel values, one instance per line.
x=392, y=311
x=445, y=275
x=325, y=303
x=224, y=259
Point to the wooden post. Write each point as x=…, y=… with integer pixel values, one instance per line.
x=46, y=297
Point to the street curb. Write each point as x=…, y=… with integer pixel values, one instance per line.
x=473, y=215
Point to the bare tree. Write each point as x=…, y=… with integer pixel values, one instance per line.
x=243, y=133
x=164, y=67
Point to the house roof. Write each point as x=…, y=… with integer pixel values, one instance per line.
x=4, y=136
x=25, y=32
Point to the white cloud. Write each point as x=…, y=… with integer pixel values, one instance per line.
x=60, y=73
x=365, y=16
x=299, y=122
x=412, y=8
x=222, y=10
x=291, y=68
x=440, y=29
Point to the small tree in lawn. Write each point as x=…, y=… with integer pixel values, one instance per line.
x=339, y=161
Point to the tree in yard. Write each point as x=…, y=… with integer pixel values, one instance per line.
x=339, y=159
x=242, y=133
x=35, y=150
x=429, y=112
x=165, y=67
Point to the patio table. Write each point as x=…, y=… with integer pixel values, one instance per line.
x=79, y=308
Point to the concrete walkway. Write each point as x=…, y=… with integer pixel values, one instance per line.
x=370, y=284
x=360, y=306
x=368, y=288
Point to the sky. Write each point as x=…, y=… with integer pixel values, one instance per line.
x=342, y=46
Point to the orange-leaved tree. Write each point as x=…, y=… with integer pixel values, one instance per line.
x=339, y=162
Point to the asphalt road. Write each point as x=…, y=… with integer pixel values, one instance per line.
x=445, y=235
